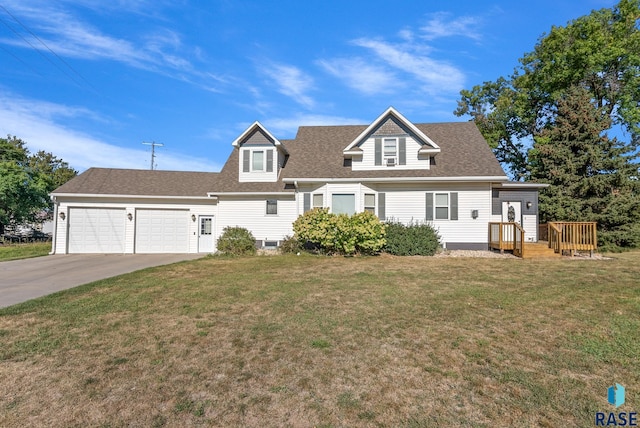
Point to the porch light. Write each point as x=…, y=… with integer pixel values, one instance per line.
x=474, y=214
x=529, y=204
x=130, y=216
x=62, y=216
x=193, y=217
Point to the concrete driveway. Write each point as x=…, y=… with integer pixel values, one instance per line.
x=22, y=280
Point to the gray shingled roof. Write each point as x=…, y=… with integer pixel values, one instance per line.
x=109, y=181
x=316, y=152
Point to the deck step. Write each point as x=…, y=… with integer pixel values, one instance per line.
x=535, y=250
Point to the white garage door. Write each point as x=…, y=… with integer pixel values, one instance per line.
x=162, y=231
x=96, y=230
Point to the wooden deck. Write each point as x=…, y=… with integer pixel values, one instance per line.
x=564, y=238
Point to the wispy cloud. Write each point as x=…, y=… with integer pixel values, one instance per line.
x=434, y=75
x=38, y=123
x=442, y=25
x=292, y=82
x=410, y=61
x=160, y=51
x=362, y=75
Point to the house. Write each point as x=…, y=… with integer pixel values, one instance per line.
x=442, y=173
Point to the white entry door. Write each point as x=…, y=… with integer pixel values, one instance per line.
x=205, y=234
x=512, y=212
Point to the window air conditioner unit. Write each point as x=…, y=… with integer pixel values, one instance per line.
x=391, y=161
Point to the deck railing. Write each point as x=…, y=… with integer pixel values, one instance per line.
x=573, y=236
x=507, y=236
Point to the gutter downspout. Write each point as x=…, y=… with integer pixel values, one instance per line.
x=295, y=186
x=55, y=226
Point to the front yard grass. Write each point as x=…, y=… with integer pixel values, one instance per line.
x=328, y=341
x=24, y=251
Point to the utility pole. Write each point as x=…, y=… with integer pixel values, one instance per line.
x=153, y=145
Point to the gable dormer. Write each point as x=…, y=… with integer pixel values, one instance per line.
x=261, y=155
x=391, y=142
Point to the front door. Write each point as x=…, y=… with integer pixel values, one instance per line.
x=512, y=212
x=205, y=234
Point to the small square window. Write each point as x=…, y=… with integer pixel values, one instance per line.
x=318, y=200
x=272, y=207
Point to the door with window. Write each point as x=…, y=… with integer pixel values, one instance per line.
x=205, y=234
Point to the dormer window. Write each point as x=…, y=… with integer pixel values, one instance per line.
x=257, y=160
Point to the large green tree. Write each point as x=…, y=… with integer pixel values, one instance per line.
x=599, y=52
x=593, y=177
x=26, y=180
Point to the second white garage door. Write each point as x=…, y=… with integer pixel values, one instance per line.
x=162, y=231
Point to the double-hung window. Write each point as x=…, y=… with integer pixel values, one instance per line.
x=257, y=160
x=441, y=206
x=272, y=207
x=370, y=202
x=390, y=147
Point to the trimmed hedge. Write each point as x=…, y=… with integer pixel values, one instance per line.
x=237, y=241
x=415, y=239
x=360, y=233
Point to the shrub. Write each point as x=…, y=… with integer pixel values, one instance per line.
x=342, y=234
x=237, y=241
x=290, y=245
x=415, y=239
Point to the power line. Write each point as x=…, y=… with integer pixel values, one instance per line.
x=19, y=59
x=46, y=46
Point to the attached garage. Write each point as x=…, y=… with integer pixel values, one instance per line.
x=96, y=230
x=162, y=231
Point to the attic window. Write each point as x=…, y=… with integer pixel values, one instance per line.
x=390, y=147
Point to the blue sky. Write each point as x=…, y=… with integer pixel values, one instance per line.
x=90, y=80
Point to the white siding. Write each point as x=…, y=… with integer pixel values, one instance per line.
x=251, y=214
x=408, y=204
x=367, y=161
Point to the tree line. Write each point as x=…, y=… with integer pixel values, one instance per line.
x=569, y=116
x=26, y=180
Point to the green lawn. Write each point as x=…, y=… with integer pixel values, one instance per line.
x=24, y=251
x=274, y=341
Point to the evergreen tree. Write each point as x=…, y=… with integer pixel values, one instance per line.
x=592, y=177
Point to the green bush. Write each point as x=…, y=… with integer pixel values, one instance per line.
x=237, y=241
x=290, y=245
x=340, y=234
x=415, y=239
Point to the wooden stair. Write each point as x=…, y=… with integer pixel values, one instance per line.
x=539, y=250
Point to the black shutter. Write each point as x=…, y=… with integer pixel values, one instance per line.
x=245, y=160
x=402, y=149
x=382, y=208
x=429, y=208
x=454, y=205
x=378, y=151
x=307, y=202
x=269, y=160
